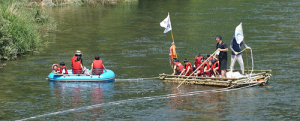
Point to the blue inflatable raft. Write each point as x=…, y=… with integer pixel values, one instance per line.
x=108, y=76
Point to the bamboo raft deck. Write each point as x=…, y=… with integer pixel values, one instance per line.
x=261, y=77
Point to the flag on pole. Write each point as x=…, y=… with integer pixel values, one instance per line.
x=166, y=23
x=239, y=35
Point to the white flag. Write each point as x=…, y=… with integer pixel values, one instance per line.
x=239, y=35
x=166, y=23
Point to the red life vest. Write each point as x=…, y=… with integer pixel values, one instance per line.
x=97, y=67
x=188, y=71
x=198, y=61
x=57, y=69
x=215, y=65
x=179, y=67
x=76, y=67
x=64, y=67
x=207, y=68
x=73, y=59
x=209, y=59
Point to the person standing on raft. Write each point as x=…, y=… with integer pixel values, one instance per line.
x=222, y=48
x=97, y=66
x=178, y=67
x=236, y=54
x=172, y=54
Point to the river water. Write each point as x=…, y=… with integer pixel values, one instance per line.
x=127, y=36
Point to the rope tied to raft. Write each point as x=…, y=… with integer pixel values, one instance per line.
x=136, y=79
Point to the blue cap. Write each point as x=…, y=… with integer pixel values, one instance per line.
x=218, y=36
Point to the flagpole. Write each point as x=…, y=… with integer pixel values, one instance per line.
x=172, y=35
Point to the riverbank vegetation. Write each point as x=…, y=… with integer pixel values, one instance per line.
x=21, y=28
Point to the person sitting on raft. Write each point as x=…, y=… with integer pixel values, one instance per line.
x=63, y=68
x=178, y=67
x=209, y=58
x=97, y=66
x=78, y=53
x=215, y=70
x=188, y=68
x=200, y=70
x=77, y=66
x=207, y=68
x=198, y=60
x=55, y=68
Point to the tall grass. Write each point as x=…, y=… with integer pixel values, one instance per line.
x=21, y=28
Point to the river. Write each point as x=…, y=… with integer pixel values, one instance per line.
x=128, y=38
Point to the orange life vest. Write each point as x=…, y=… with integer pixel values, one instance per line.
x=76, y=67
x=97, y=67
x=64, y=67
x=198, y=61
x=179, y=67
x=189, y=71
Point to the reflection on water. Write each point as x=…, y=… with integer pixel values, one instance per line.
x=78, y=94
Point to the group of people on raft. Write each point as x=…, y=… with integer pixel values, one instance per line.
x=210, y=66
x=97, y=66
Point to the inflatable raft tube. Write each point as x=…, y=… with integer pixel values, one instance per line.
x=108, y=76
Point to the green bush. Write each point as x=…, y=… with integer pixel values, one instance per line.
x=20, y=28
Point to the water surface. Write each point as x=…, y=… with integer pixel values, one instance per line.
x=127, y=36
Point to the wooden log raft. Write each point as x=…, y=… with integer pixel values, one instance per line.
x=262, y=78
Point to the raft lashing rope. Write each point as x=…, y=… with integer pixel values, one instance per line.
x=137, y=100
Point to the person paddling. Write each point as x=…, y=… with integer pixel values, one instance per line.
x=63, y=68
x=178, y=67
x=222, y=48
x=77, y=53
x=97, y=66
x=236, y=55
x=188, y=68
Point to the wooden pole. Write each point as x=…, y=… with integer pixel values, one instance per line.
x=196, y=69
x=247, y=62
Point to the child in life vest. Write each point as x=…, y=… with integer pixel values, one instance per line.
x=55, y=68
x=207, y=69
x=63, y=68
x=178, y=67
